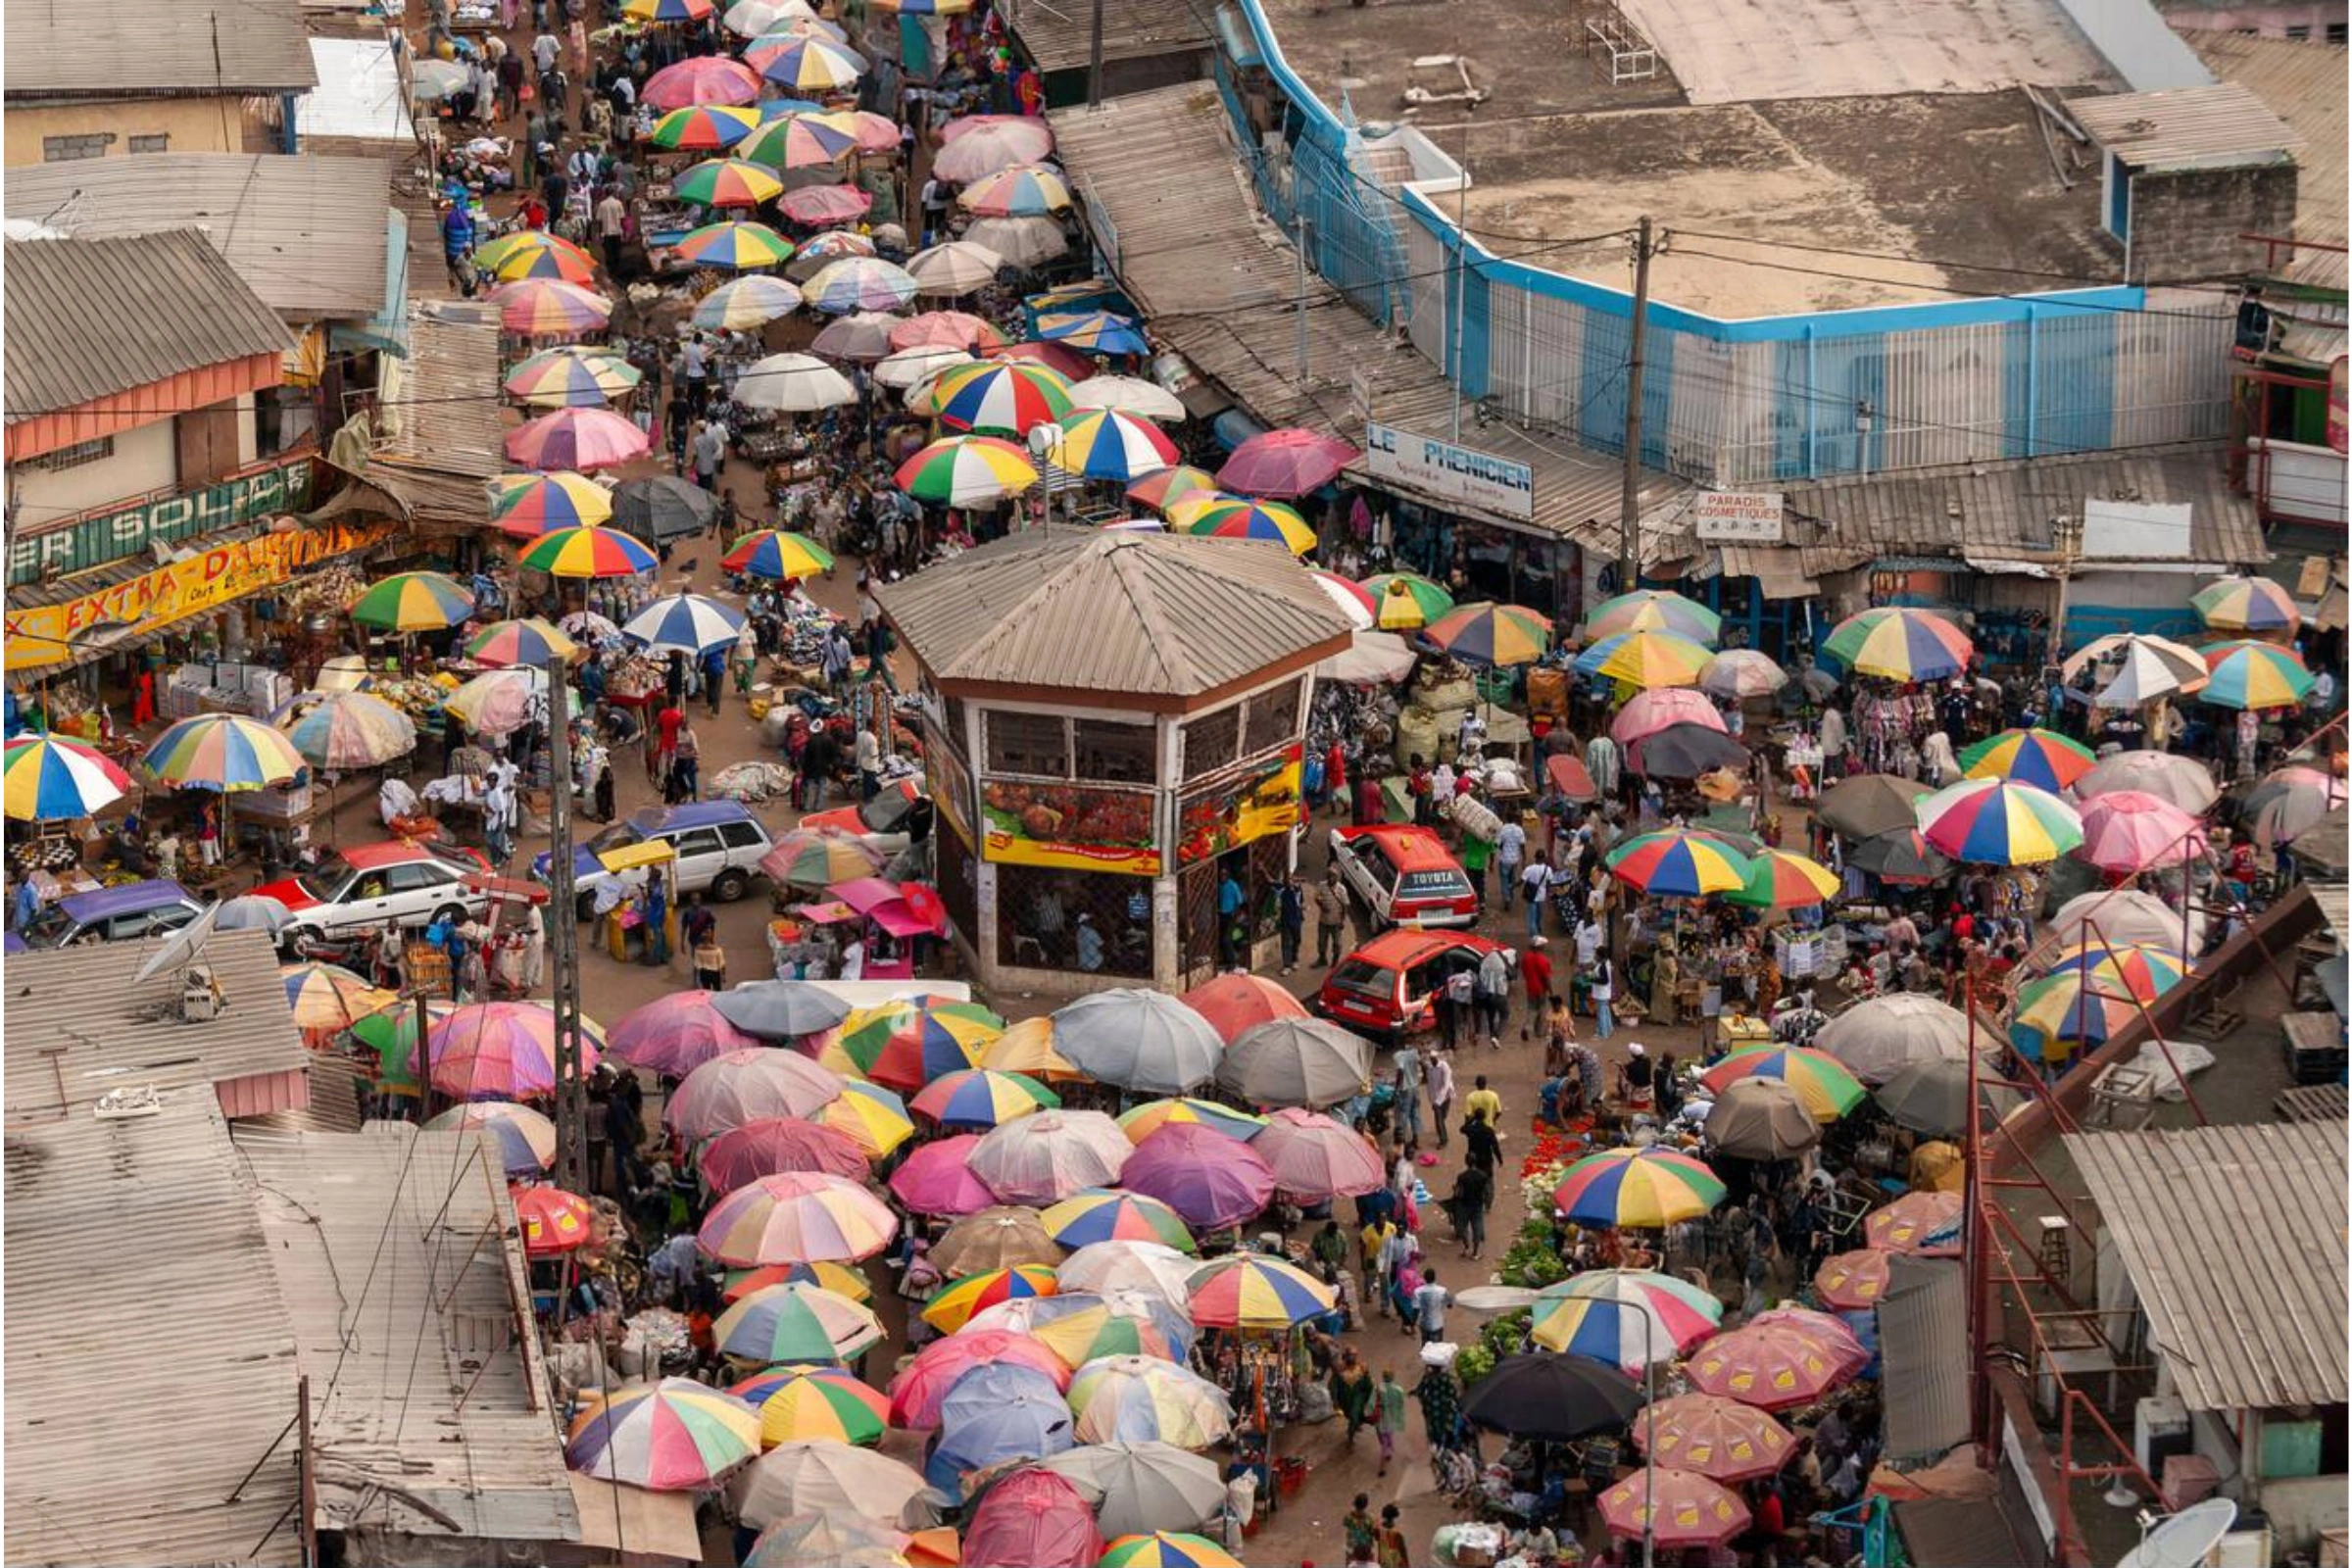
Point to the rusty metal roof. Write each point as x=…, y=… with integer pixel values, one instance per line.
x=1057, y=33
x=2226, y=126
x=1148, y=615
x=2307, y=85
x=306, y=233
x=156, y=48
x=90, y=317
x=150, y=1358
x=444, y=427
x=2234, y=1239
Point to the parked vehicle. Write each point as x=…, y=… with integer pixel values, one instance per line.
x=718, y=843
x=1404, y=875
x=396, y=881
x=894, y=821
x=1388, y=986
x=114, y=914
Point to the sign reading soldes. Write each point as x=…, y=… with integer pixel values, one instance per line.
x=106, y=537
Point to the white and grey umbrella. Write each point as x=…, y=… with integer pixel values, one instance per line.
x=1293, y=1061
x=1138, y=1040
x=684, y=623
x=958, y=267
x=779, y=1009
x=1138, y=1488
x=1128, y=394
x=793, y=383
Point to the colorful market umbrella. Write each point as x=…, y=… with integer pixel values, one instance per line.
x=554, y=1222
x=533, y=504
x=1781, y=879
x=1855, y=1281
x=2080, y=1006
x=1709, y=1435
x=1146, y=1398
x=1166, y=1548
x=815, y=859
x=1898, y=642
x=1626, y=1318
x=534, y=253
x=667, y=12
x=727, y=182
x=779, y=556
x=526, y=1139
x=1653, y=610
x=1095, y=331
x=808, y=62
x=571, y=376
x=858, y=283
x=1209, y=1180
x=974, y=1097
x=966, y=470
x=2043, y=758
x=391, y=1037
x=1081, y=1329
x=795, y=1323
x=1218, y=516
x=818, y=206
x=1999, y=822
x=956, y=1302
x=1488, y=635
x=1170, y=485
x=549, y=306
x=2254, y=676
x=1102, y=1215
x=577, y=439
x=1647, y=713
x=676, y=1435
x=797, y=1217
x=744, y=304
x=328, y=996
x=1675, y=1509
x=1925, y=1223
x=1829, y=1091
x=684, y=623
x=737, y=246
x=1408, y=601
x=741, y=1155
x=1770, y=1366
x=1025, y=190
x=1648, y=1189
x=873, y=1118
x=528, y=641
x=704, y=128
x=814, y=1404
x=919, y=1388
x=739, y=1087
x=1142, y=1121
x=905, y=1044
x=957, y=267
x=1677, y=864
x=1645, y=658
x=411, y=600
x=701, y=80
x=502, y=1051
x=1000, y=398
x=588, y=552
x=1285, y=462
x=2145, y=969
x=798, y=141
x=1099, y=444
x=1249, y=1290
x=49, y=779
x=1741, y=673
x=2246, y=604
x=224, y=751
x=2131, y=830
x=937, y=1179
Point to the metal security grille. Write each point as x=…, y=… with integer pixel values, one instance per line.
x=1043, y=916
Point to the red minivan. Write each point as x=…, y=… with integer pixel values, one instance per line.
x=1386, y=986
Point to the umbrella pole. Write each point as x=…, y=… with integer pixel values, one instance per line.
x=1649, y=1437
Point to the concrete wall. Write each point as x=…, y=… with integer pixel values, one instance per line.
x=2270, y=22
x=145, y=459
x=194, y=126
x=2185, y=226
x=2300, y=1509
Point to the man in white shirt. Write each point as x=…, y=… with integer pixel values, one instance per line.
x=869, y=764
x=611, y=224
x=544, y=50
x=1510, y=847
x=1430, y=1302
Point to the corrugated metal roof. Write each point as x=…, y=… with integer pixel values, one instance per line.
x=1220, y=284
x=306, y=233
x=1057, y=33
x=1923, y=1341
x=150, y=1358
x=2307, y=85
x=2223, y=126
x=1152, y=615
x=142, y=47
x=444, y=427
x=90, y=317
x=2003, y=510
x=358, y=96
x=2335, y=900
x=78, y=1026
x=421, y=1389
x=2235, y=1240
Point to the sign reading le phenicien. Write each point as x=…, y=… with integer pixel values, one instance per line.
x=1450, y=472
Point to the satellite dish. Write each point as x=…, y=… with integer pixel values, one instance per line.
x=2186, y=1539
x=181, y=947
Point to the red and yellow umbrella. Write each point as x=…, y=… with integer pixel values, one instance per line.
x=954, y=1304
x=1499, y=636
x=1781, y=879
x=814, y=1404
x=554, y=1221
x=588, y=552
x=906, y=1043
x=1827, y=1090
x=1773, y=1366
x=1646, y=1189
x=1218, y=516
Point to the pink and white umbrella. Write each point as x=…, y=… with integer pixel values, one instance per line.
x=821, y=205
x=1285, y=462
x=938, y=1179
x=705, y=79
x=2132, y=830
x=779, y=1143
x=1315, y=1158
x=980, y=145
x=945, y=329
x=747, y=1085
x=577, y=439
x=1354, y=599
x=1045, y=1158
x=502, y=1051
x=797, y=1217
x=676, y=1034
x=1652, y=710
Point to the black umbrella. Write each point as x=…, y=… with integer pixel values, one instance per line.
x=1685, y=750
x=1554, y=1398
x=1901, y=856
x=780, y=1009
x=1871, y=804
x=661, y=508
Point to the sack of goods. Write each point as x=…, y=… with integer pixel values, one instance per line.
x=1476, y=818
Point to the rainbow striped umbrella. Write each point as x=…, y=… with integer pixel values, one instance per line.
x=2246, y=604
x=1408, y=601
x=528, y=641
x=1648, y=1189
x=974, y=1097
x=2256, y=676
x=1146, y=1398
x=52, y=780
x=526, y=1139
x=2082, y=1005
x=906, y=1043
x=1150, y=1117
x=805, y=62
x=576, y=439
x=728, y=182
x=1710, y=1436
x=224, y=751
x=1095, y=331
x=966, y=470
x=1995, y=821
x=1654, y=610
x=1166, y=1548
x=704, y=128
x=740, y=246
x=1027, y=190
x=554, y=1221
x=503, y=1051
x=1254, y=1292
x=667, y=10
x=1001, y=397
x=676, y=1435
x=1219, y=516
x=411, y=600
x=840, y=1278
x=344, y=731
x=814, y=1404
x=2043, y=758
x=1171, y=485
x=588, y=552
x=573, y=376
x=1493, y=636
x=533, y=504
x=2144, y=970
x=1104, y=1214
x=957, y=1302
x=534, y=253
x=858, y=283
x=1645, y=658
x=1083, y=1329
x=1600, y=1315
x=1827, y=1090
x=802, y=1324
x=328, y=996
x=779, y=556
x=1678, y=866
x=549, y=306
x=812, y=859
x=1898, y=642
x=1780, y=879
x=874, y=1118
x=798, y=141
x=391, y=1036
x=745, y=302
x=797, y=1217
x=1101, y=444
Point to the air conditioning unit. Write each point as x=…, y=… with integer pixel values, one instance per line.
x=2159, y=1430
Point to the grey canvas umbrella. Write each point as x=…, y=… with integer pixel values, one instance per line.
x=661, y=508
x=252, y=911
x=1685, y=750
x=1295, y=1061
x=779, y=1009
x=1877, y=1038
x=1138, y=1488
x=1761, y=1118
x=1138, y=1040
x=1932, y=1097
x=1871, y=804
x=1902, y=855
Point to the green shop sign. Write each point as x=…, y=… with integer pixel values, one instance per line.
x=105, y=537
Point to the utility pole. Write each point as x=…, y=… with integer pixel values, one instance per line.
x=563, y=931
x=1093, y=61
x=1461, y=268
x=1629, y=507
x=1299, y=244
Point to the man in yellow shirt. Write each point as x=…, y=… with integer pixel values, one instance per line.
x=1484, y=1103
